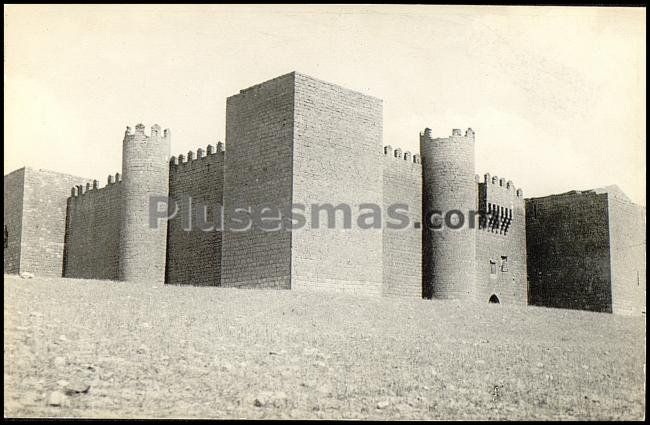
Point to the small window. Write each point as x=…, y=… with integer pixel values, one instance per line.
x=504, y=263
x=493, y=267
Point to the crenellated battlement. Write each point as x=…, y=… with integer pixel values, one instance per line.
x=139, y=133
x=93, y=187
x=494, y=183
x=398, y=154
x=456, y=134
x=500, y=202
x=201, y=155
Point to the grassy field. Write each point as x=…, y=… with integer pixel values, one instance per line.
x=77, y=348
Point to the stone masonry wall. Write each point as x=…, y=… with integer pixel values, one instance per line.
x=448, y=182
x=337, y=159
x=567, y=241
x=258, y=172
x=194, y=257
x=14, y=186
x=92, y=231
x=44, y=217
x=501, y=235
x=627, y=255
x=402, y=248
x=145, y=175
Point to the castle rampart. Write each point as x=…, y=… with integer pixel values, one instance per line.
x=402, y=184
x=294, y=141
x=501, y=242
x=194, y=256
x=92, y=230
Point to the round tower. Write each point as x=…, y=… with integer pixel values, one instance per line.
x=145, y=174
x=449, y=199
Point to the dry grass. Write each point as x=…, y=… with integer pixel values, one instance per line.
x=224, y=353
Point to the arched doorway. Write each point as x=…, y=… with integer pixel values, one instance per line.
x=494, y=299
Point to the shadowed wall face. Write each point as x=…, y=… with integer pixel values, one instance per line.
x=194, y=251
x=258, y=172
x=92, y=232
x=14, y=186
x=568, y=249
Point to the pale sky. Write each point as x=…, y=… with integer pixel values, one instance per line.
x=556, y=96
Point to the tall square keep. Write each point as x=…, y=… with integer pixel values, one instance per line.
x=298, y=141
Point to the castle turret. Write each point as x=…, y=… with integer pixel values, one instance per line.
x=145, y=173
x=448, y=202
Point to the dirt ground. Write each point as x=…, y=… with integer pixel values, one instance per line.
x=81, y=348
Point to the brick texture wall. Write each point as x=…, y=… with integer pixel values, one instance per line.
x=402, y=248
x=194, y=257
x=337, y=158
x=627, y=254
x=14, y=185
x=92, y=232
x=43, y=223
x=568, y=243
x=449, y=184
x=258, y=172
x=504, y=235
x=145, y=173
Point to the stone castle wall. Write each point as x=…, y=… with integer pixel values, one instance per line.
x=402, y=248
x=568, y=246
x=93, y=230
x=14, y=188
x=145, y=174
x=294, y=141
x=194, y=256
x=501, y=243
x=627, y=255
x=337, y=154
x=258, y=172
x=35, y=215
x=448, y=183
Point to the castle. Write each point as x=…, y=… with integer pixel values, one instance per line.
x=295, y=139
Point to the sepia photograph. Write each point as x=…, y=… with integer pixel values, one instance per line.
x=324, y=212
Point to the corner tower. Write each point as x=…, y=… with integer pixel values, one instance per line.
x=449, y=196
x=145, y=173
